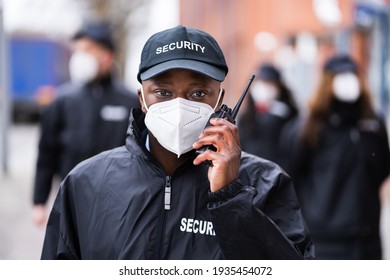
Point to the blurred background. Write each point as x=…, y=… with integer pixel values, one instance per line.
x=296, y=35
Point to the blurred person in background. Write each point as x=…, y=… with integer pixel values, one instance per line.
x=89, y=115
x=340, y=159
x=269, y=109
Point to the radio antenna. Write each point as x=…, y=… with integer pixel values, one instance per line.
x=237, y=107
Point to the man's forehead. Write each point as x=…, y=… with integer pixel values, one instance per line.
x=86, y=44
x=173, y=75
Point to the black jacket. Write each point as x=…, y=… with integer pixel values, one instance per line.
x=82, y=122
x=260, y=132
x=112, y=207
x=338, y=183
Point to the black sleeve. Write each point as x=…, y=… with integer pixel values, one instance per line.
x=380, y=155
x=252, y=223
x=293, y=154
x=60, y=241
x=48, y=152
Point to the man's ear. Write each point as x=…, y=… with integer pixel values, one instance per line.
x=141, y=101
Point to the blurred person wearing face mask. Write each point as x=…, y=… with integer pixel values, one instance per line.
x=338, y=163
x=270, y=107
x=154, y=198
x=89, y=115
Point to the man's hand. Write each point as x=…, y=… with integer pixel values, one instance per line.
x=223, y=135
x=39, y=215
x=385, y=191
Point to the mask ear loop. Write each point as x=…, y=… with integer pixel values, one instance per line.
x=143, y=99
x=219, y=97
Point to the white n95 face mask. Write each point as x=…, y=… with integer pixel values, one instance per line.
x=263, y=92
x=177, y=123
x=346, y=87
x=83, y=67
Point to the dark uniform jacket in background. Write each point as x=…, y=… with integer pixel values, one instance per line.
x=338, y=184
x=114, y=206
x=82, y=122
x=260, y=132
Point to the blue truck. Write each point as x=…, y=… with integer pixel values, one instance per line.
x=37, y=65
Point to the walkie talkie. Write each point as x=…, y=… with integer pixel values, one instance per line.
x=225, y=113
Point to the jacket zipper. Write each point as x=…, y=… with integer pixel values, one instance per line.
x=167, y=193
x=161, y=224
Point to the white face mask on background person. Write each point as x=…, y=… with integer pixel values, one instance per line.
x=346, y=87
x=83, y=67
x=263, y=92
x=177, y=123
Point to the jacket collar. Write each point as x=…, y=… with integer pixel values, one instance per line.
x=136, y=133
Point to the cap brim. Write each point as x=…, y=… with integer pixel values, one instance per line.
x=201, y=67
x=344, y=68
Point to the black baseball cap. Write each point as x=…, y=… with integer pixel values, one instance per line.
x=268, y=72
x=98, y=31
x=340, y=63
x=182, y=48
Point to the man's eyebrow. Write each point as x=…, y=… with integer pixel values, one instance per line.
x=199, y=83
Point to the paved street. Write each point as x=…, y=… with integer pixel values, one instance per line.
x=20, y=239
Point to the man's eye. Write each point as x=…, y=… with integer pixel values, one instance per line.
x=198, y=94
x=163, y=93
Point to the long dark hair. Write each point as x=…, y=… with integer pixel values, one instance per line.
x=319, y=107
